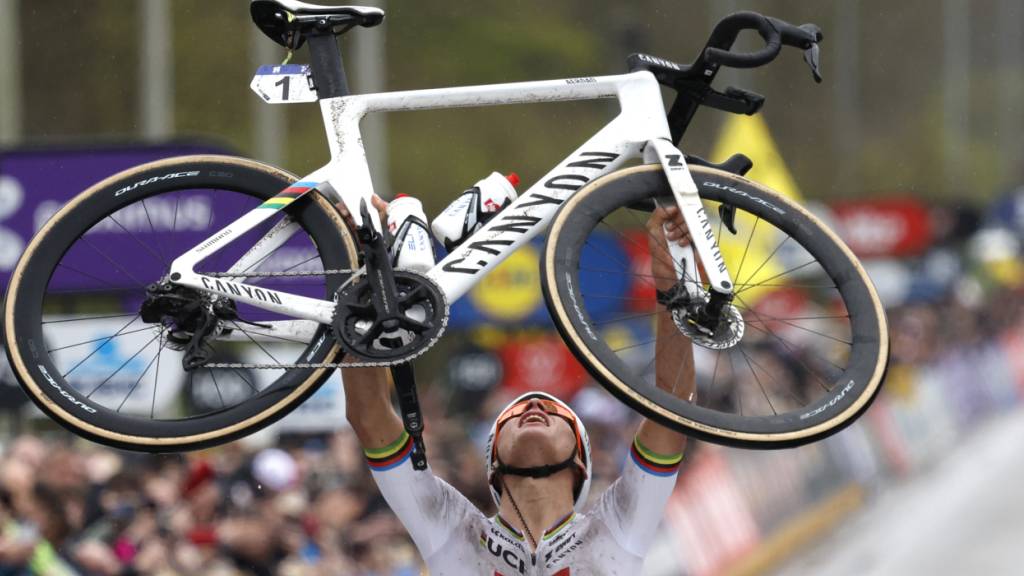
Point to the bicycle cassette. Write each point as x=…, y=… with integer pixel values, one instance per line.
x=419, y=323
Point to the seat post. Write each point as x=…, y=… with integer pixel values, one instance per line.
x=327, y=66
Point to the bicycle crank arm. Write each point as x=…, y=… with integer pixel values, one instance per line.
x=379, y=272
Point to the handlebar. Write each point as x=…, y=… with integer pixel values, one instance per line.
x=773, y=31
x=692, y=82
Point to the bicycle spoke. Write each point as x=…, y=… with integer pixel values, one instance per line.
x=788, y=285
x=714, y=375
x=815, y=332
x=610, y=297
x=87, y=318
x=747, y=247
x=779, y=275
x=105, y=338
x=174, y=219
x=141, y=376
x=662, y=249
x=788, y=346
x=621, y=273
x=121, y=367
x=217, y=386
x=87, y=275
x=115, y=264
x=735, y=392
x=244, y=379
x=634, y=242
x=758, y=380
x=156, y=379
x=766, y=260
x=158, y=257
x=249, y=336
x=153, y=230
x=634, y=345
x=80, y=362
x=625, y=318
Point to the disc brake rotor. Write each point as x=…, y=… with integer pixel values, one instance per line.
x=726, y=334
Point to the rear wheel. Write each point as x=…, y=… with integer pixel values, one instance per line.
x=75, y=333
x=814, y=345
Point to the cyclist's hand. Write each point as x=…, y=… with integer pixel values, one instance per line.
x=665, y=225
x=379, y=203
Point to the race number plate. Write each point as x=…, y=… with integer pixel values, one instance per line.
x=284, y=84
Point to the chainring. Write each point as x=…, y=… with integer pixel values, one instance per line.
x=424, y=317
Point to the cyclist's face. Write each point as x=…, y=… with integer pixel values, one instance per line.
x=535, y=438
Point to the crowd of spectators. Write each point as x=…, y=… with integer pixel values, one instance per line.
x=305, y=506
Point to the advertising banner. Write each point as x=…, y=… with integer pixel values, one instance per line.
x=884, y=227
x=34, y=184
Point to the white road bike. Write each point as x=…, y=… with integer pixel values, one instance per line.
x=792, y=339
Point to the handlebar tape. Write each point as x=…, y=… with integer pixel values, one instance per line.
x=773, y=31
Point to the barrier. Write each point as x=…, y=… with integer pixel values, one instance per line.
x=742, y=513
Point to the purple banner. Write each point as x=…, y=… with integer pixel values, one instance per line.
x=34, y=184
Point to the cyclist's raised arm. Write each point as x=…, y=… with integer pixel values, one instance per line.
x=368, y=407
x=634, y=504
x=428, y=507
x=368, y=390
x=674, y=369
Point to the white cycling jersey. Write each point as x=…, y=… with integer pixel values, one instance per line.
x=455, y=539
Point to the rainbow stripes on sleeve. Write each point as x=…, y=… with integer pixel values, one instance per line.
x=390, y=456
x=288, y=195
x=652, y=462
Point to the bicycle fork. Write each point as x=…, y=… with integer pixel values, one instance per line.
x=684, y=190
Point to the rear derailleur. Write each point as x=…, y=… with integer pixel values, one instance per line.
x=190, y=318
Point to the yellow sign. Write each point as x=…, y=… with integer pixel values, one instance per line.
x=511, y=292
x=748, y=252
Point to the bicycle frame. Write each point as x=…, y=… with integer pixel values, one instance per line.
x=346, y=178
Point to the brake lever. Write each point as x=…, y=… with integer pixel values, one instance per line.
x=812, y=53
x=812, y=57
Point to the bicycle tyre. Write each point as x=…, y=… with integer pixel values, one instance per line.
x=829, y=414
x=24, y=335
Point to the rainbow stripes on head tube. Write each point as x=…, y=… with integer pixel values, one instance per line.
x=390, y=456
x=652, y=462
x=288, y=195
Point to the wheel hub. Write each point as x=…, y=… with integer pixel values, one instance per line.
x=726, y=334
x=691, y=314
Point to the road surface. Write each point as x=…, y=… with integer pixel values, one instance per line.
x=965, y=515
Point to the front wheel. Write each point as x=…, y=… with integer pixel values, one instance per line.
x=814, y=348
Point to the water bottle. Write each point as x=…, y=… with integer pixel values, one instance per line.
x=411, y=248
x=474, y=208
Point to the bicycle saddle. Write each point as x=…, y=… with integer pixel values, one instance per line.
x=287, y=22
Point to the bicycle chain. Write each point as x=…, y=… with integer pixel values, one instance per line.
x=277, y=274
x=317, y=365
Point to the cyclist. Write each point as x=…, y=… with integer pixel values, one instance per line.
x=539, y=470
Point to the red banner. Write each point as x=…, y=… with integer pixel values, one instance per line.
x=542, y=364
x=884, y=227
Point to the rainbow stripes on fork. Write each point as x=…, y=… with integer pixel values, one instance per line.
x=288, y=195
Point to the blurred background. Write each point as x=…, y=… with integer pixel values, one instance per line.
x=911, y=149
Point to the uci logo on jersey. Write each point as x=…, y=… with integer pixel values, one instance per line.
x=503, y=553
